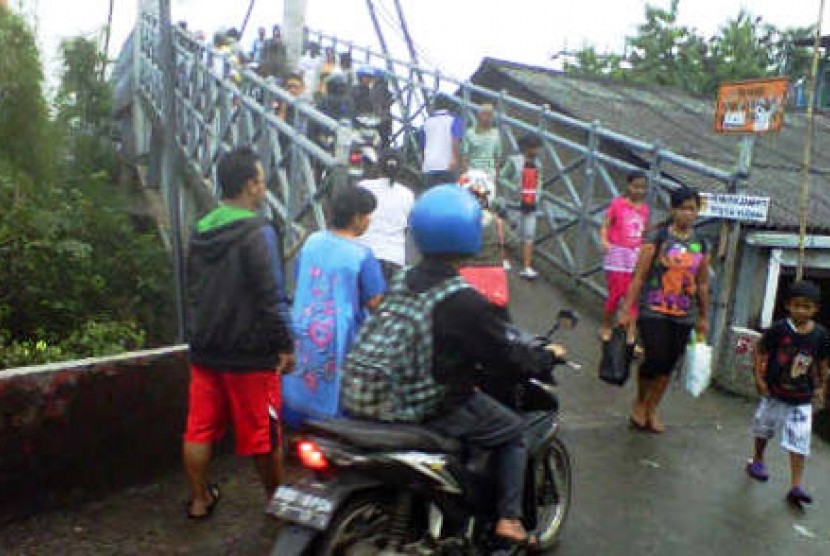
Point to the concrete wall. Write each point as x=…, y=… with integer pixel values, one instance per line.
x=75, y=429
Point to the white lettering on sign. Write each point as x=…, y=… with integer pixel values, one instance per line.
x=746, y=208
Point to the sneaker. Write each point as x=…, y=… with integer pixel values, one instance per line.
x=757, y=470
x=528, y=273
x=796, y=496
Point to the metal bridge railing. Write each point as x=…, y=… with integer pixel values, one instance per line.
x=220, y=106
x=582, y=161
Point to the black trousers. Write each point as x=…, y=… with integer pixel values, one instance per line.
x=664, y=343
x=484, y=423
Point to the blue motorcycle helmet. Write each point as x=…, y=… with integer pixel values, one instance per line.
x=365, y=71
x=446, y=220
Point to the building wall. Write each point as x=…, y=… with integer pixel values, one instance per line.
x=71, y=430
x=750, y=286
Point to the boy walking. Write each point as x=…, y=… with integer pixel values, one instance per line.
x=791, y=361
x=524, y=171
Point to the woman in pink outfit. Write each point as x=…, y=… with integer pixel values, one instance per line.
x=621, y=235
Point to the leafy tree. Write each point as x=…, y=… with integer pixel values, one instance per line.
x=77, y=278
x=589, y=62
x=664, y=52
x=84, y=100
x=742, y=50
x=24, y=121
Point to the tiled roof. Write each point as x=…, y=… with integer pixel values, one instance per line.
x=683, y=124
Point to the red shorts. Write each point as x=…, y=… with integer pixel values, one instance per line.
x=618, y=283
x=250, y=400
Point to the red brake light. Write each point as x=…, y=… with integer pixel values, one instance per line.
x=354, y=158
x=311, y=456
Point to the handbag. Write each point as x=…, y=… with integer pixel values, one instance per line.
x=490, y=281
x=697, y=367
x=615, y=365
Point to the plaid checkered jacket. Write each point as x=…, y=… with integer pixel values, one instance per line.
x=387, y=375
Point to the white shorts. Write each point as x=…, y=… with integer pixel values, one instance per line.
x=794, y=423
x=527, y=226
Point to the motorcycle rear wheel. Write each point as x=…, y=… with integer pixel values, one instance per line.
x=363, y=523
x=554, y=477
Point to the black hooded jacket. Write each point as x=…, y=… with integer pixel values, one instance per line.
x=468, y=332
x=236, y=296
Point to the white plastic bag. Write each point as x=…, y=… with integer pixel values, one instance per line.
x=697, y=367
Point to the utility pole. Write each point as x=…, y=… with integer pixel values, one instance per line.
x=293, y=29
x=169, y=181
x=808, y=148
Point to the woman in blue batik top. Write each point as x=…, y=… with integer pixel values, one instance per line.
x=338, y=280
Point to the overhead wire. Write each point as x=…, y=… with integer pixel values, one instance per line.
x=391, y=21
x=247, y=18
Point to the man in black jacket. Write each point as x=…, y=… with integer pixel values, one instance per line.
x=468, y=332
x=239, y=337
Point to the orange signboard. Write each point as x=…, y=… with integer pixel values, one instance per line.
x=755, y=106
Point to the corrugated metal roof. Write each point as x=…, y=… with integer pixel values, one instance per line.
x=684, y=124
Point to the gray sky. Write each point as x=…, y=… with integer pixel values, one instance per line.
x=455, y=34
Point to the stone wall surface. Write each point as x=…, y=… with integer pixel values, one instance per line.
x=71, y=430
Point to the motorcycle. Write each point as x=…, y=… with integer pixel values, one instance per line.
x=394, y=489
x=367, y=128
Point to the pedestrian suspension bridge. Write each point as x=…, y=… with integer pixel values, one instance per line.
x=214, y=113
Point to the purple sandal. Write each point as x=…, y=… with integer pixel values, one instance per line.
x=797, y=497
x=757, y=470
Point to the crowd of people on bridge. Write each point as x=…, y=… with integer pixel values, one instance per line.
x=322, y=76
x=244, y=326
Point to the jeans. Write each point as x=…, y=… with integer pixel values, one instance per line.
x=484, y=423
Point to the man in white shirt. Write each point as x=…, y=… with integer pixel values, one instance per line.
x=309, y=67
x=386, y=235
x=443, y=131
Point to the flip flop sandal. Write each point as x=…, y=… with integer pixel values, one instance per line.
x=214, y=493
x=530, y=543
x=637, y=426
x=654, y=430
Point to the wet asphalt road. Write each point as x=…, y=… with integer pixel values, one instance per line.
x=681, y=493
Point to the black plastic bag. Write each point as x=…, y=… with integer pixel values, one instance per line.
x=615, y=365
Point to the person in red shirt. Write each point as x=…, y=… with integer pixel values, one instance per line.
x=621, y=235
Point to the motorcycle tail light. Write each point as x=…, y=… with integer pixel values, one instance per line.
x=354, y=158
x=311, y=456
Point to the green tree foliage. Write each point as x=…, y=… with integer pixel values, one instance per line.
x=24, y=122
x=663, y=52
x=84, y=100
x=77, y=277
x=589, y=62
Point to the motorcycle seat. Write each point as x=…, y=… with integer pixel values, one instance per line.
x=374, y=435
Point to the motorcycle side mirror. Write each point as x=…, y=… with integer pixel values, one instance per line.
x=567, y=319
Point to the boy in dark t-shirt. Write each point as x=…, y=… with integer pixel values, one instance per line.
x=791, y=361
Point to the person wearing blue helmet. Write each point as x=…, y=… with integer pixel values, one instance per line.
x=468, y=334
x=372, y=97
